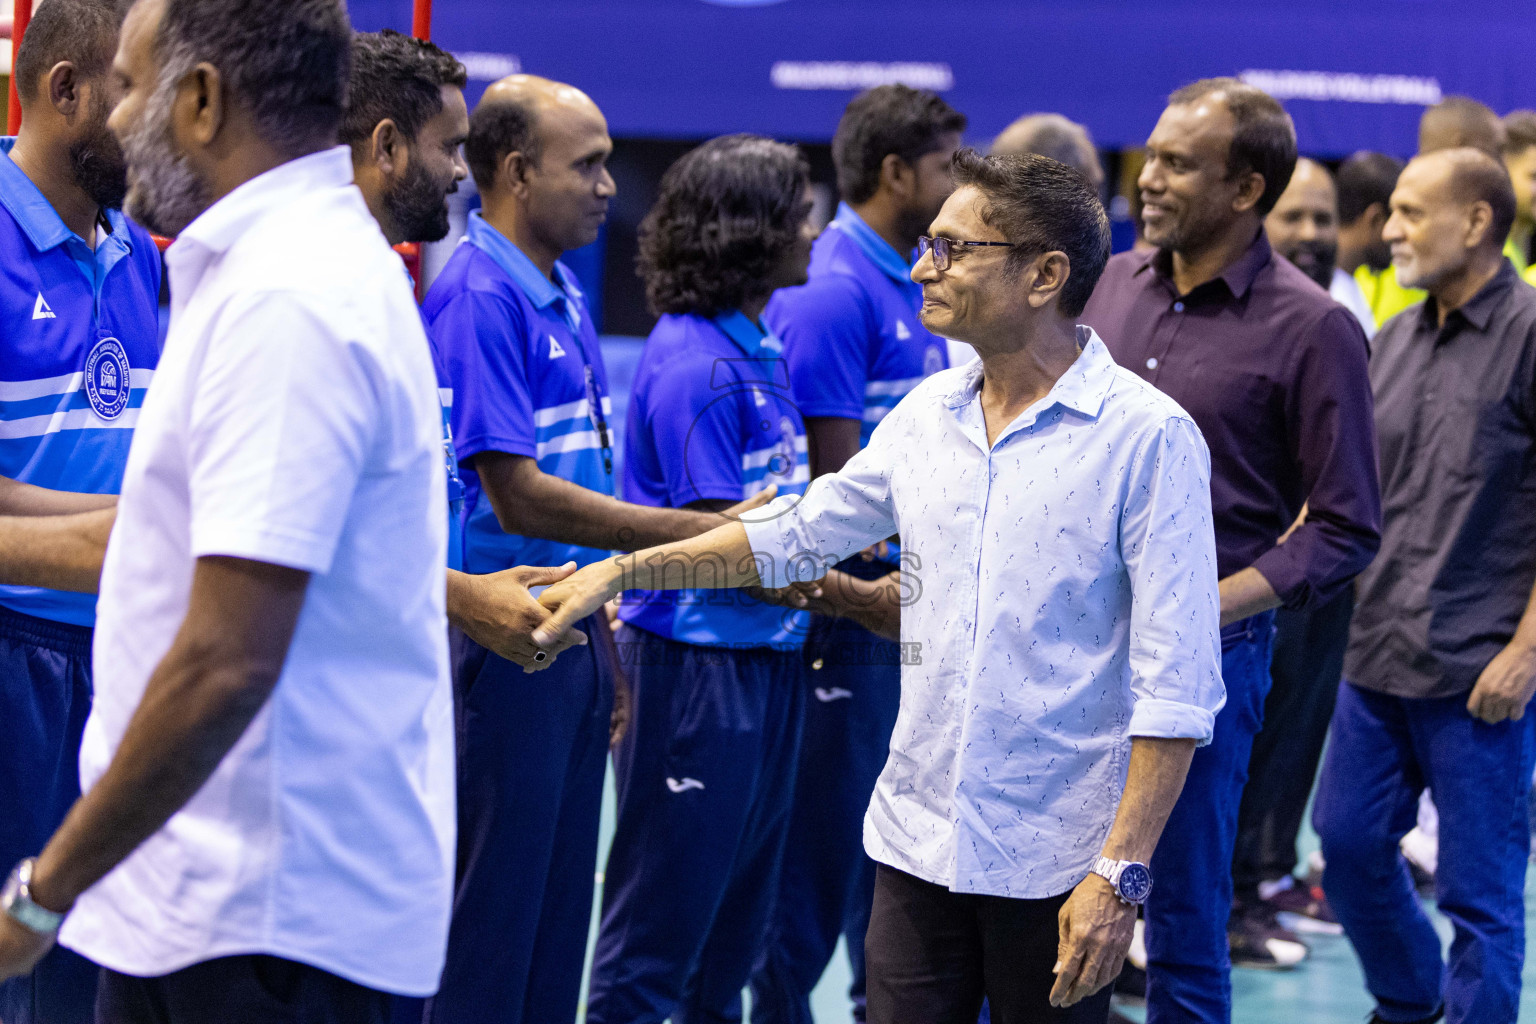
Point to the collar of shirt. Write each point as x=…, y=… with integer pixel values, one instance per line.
x=220, y=226
x=754, y=341
x=1238, y=275
x=880, y=252
x=1082, y=388
x=541, y=291
x=1476, y=311
x=47, y=230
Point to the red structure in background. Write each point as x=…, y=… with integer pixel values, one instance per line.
x=18, y=26
x=421, y=28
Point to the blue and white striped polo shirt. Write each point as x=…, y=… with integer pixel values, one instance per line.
x=711, y=417
x=522, y=360
x=78, y=348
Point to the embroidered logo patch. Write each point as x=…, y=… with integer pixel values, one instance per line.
x=108, y=378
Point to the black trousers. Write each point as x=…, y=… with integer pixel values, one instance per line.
x=239, y=990
x=1305, y=673
x=932, y=955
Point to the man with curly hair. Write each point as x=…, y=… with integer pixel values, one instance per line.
x=705, y=776
x=530, y=422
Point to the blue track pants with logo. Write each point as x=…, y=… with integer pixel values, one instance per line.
x=705, y=784
x=827, y=883
x=45, y=696
x=532, y=750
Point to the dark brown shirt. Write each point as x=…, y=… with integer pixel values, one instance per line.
x=1273, y=372
x=1456, y=416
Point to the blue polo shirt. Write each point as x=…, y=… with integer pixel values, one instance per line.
x=711, y=417
x=522, y=360
x=78, y=348
x=451, y=461
x=852, y=338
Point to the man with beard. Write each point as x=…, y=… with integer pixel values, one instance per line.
x=1274, y=373
x=80, y=300
x=267, y=828
x=1304, y=228
x=854, y=347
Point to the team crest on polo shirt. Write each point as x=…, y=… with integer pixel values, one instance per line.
x=933, y=360
x=108, y=378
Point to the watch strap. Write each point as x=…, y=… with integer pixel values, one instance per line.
x=16, y=901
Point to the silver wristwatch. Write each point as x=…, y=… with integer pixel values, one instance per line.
x=1132, y=881
x=16, y=902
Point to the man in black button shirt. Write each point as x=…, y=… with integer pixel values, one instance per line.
x=1442, y=655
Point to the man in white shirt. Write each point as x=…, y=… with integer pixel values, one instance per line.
x=268, y=815
x=1065, y=620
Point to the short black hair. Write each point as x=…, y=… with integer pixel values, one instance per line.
x=884, y=120
x=496, y=128
x=1519, y=131
x=398, y=78
x=286, y=61
x=727, y=214
x=1041, y=205
x=83, y=32
x=1364, y=180
x=1263, y=137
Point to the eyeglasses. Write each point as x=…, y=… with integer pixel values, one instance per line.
x=942, y=248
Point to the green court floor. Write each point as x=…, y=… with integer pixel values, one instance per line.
x=1325, y=989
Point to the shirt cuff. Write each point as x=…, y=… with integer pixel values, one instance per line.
x=1285, y=574
x=468, y=447
x=1157, y=718
x=774, y=534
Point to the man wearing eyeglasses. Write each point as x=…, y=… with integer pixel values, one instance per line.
x=1059, y=507
x=1274, y=373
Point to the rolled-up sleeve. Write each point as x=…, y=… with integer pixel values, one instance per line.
x=1169, y=548
x=798, y=538
x=1331, y=425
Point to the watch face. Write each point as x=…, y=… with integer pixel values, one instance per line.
x=1135, y=882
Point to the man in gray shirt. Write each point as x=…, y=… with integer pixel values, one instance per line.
x=1442, y=655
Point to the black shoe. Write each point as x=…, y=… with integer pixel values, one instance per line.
x=1257, y=939
x=1439, y=1014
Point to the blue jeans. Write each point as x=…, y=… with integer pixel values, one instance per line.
x=1188, y=963
x=45, y=696
x=1384, y=751
x=532, y=751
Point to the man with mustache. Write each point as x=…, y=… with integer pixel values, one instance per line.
x=1304, y=228
x=79, y=297
x=267, y=829
x=1274, y=374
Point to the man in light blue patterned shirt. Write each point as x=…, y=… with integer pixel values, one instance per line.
x=1056, y=511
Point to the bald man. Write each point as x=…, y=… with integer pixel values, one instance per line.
x=1460, y=121
x=1441, y=662
x=531, y=426
x=1057, y=137
x=1304, y=228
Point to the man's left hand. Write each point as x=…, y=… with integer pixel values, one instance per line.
x=1096, y=930
x=20, y=948
x=1506, y=685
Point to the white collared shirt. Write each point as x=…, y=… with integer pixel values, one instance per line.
x=294, y=420
x=1064, y=600
x=1346, y=291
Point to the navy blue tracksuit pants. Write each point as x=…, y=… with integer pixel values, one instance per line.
x=45, y=696
x=827, y=884
x=1384, y=752
x=706, y=779
x=1189, y=965
x=532, y=750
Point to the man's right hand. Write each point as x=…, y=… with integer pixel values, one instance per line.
x=498, y=612
x=757, y=500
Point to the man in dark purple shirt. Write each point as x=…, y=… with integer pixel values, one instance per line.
x=1274, y=373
